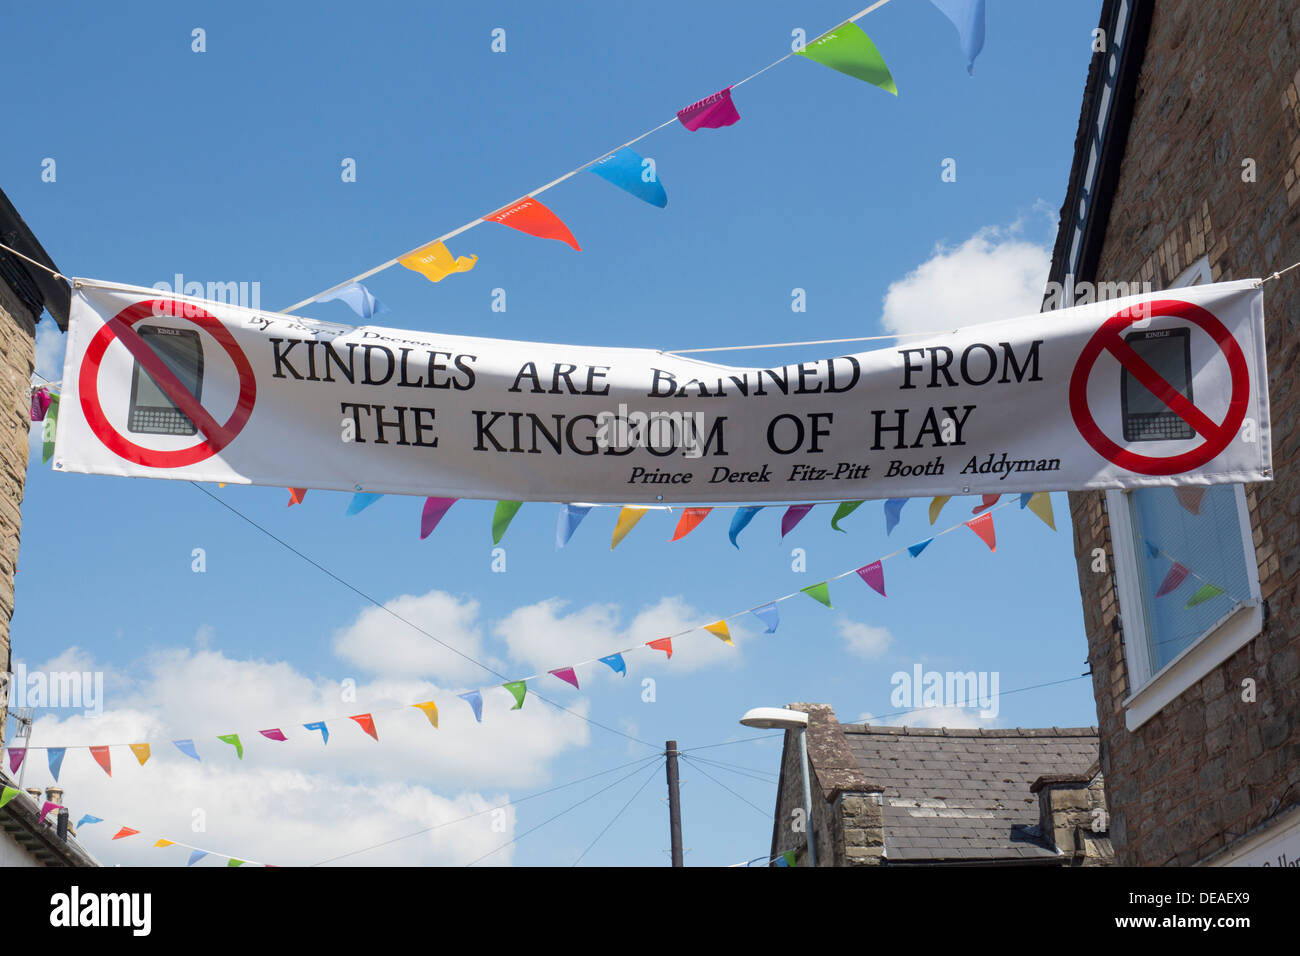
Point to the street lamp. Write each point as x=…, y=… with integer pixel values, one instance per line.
x=772, y=718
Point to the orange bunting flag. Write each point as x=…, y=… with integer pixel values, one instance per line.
x=983, y=527
x=689, y=521
x=430, y=710
x=165, y=843
x=531, y=217
x=295, y=496
x=719, y=630
x=141, y=752
x=664, y=644
x=366, y=723
x=125, y=832
x=102, y=758
x=627, y=519
x=435, y=262
x=1189, y=496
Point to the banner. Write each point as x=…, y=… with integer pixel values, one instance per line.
x=1162, y=389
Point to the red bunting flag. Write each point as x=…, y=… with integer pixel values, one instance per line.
x=983, y=527
x=367, y=723
x=125, y=832
x=689, y=521
x=295, y=496
x=1173, y=580
x=1189, y=496
x=664, y=644
x=102, y=758
x=567, y=675
x=531, y=217
x=988, y=501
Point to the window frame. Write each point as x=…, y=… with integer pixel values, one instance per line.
x=1150, y=690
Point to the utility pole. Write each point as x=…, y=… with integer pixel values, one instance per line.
x=674, y=802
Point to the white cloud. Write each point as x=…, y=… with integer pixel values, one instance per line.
x=995, y=274
x=378, y=643
x=49, y=351
x=951, y=717
x=864, y=640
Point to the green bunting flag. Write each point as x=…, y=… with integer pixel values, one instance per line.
x=49, y=429
x=845, y=509
x=8, y=794
x=818, y=592
x=233, y=740
x=788, y=856
x=505, y=513
x=518, y=688
x=1203, y=594
x=848, y=49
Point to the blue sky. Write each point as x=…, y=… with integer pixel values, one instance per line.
x=225, y=166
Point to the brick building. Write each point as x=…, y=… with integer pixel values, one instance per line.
x=1187, y=170
x=937, y=797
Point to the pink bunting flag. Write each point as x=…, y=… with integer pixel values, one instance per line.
x=793, y=515
x=367, y=723
x=567, y=675
x=983, y=527
x=874, y=575
x=434, y=509
x=103, y=759
x=1173, y=580
x=16, y=755
x=712, y=112
x=46, y=808
x=1189, y=496
x=273, y=734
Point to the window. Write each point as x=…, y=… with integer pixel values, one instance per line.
x=1187, y=577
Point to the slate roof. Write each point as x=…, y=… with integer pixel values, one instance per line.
x=964, y=795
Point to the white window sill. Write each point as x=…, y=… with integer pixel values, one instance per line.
x=1223, y=640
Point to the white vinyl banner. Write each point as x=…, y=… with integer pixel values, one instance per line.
x=1161, y=389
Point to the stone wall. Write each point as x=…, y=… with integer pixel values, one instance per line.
x=1220, y=85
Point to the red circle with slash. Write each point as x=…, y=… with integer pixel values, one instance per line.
x=120, y=328
x=1109, y=338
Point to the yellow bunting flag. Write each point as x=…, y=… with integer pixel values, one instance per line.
x=165, y=843
x=430, y=710
x=435, y=262
x=627, y=519
x=1041, y=505
x=141, y=752
x=719, y=630
x=937, y=505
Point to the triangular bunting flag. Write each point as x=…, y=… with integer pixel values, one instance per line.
x=915, y=549
x=366, y=723
x=1040, y=503
x=475, y=701
x=9, y=793
x=319, y=725
x=1024, y=500
x=234, y=862
x=769, y=616
x=531, y=217
x=712, y=112
x=102, y=758
x=275, y=733
x=874, y=575
x=430, y=710
x=630, y=171
x=1189, y=496
x=86, y=819
x=124, y=832
x=162, y=843
x=431, y=514
x=518, y=690
x=740, y=520
x=936, y=505
x=848, y=49
x=793, y=515
x=16, y=755
x=821, y=593
x=360, y=502
x=55, y=756
x=664, y=644
x=893, y=511
x=567, y=675
x=719, y=630
x=689, y=521
x=983, y=527
x=628, y=516
x=358, y=298
x=570, y=517
x=845, y=509
x=141, y=752
x=49, y=428
x=1203, y=594
x=196, y=856
x=233, y=740
x=616, y=663
x=295, y=496
x=501, y=518
x=46, y=807
x=40, y=404
x=1173, y=580
x=435, y=262
x=968, y=17
x=788, y=856
x=986, y=502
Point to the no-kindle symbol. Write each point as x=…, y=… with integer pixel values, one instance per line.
x=216, y=435
x=1215, y=436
